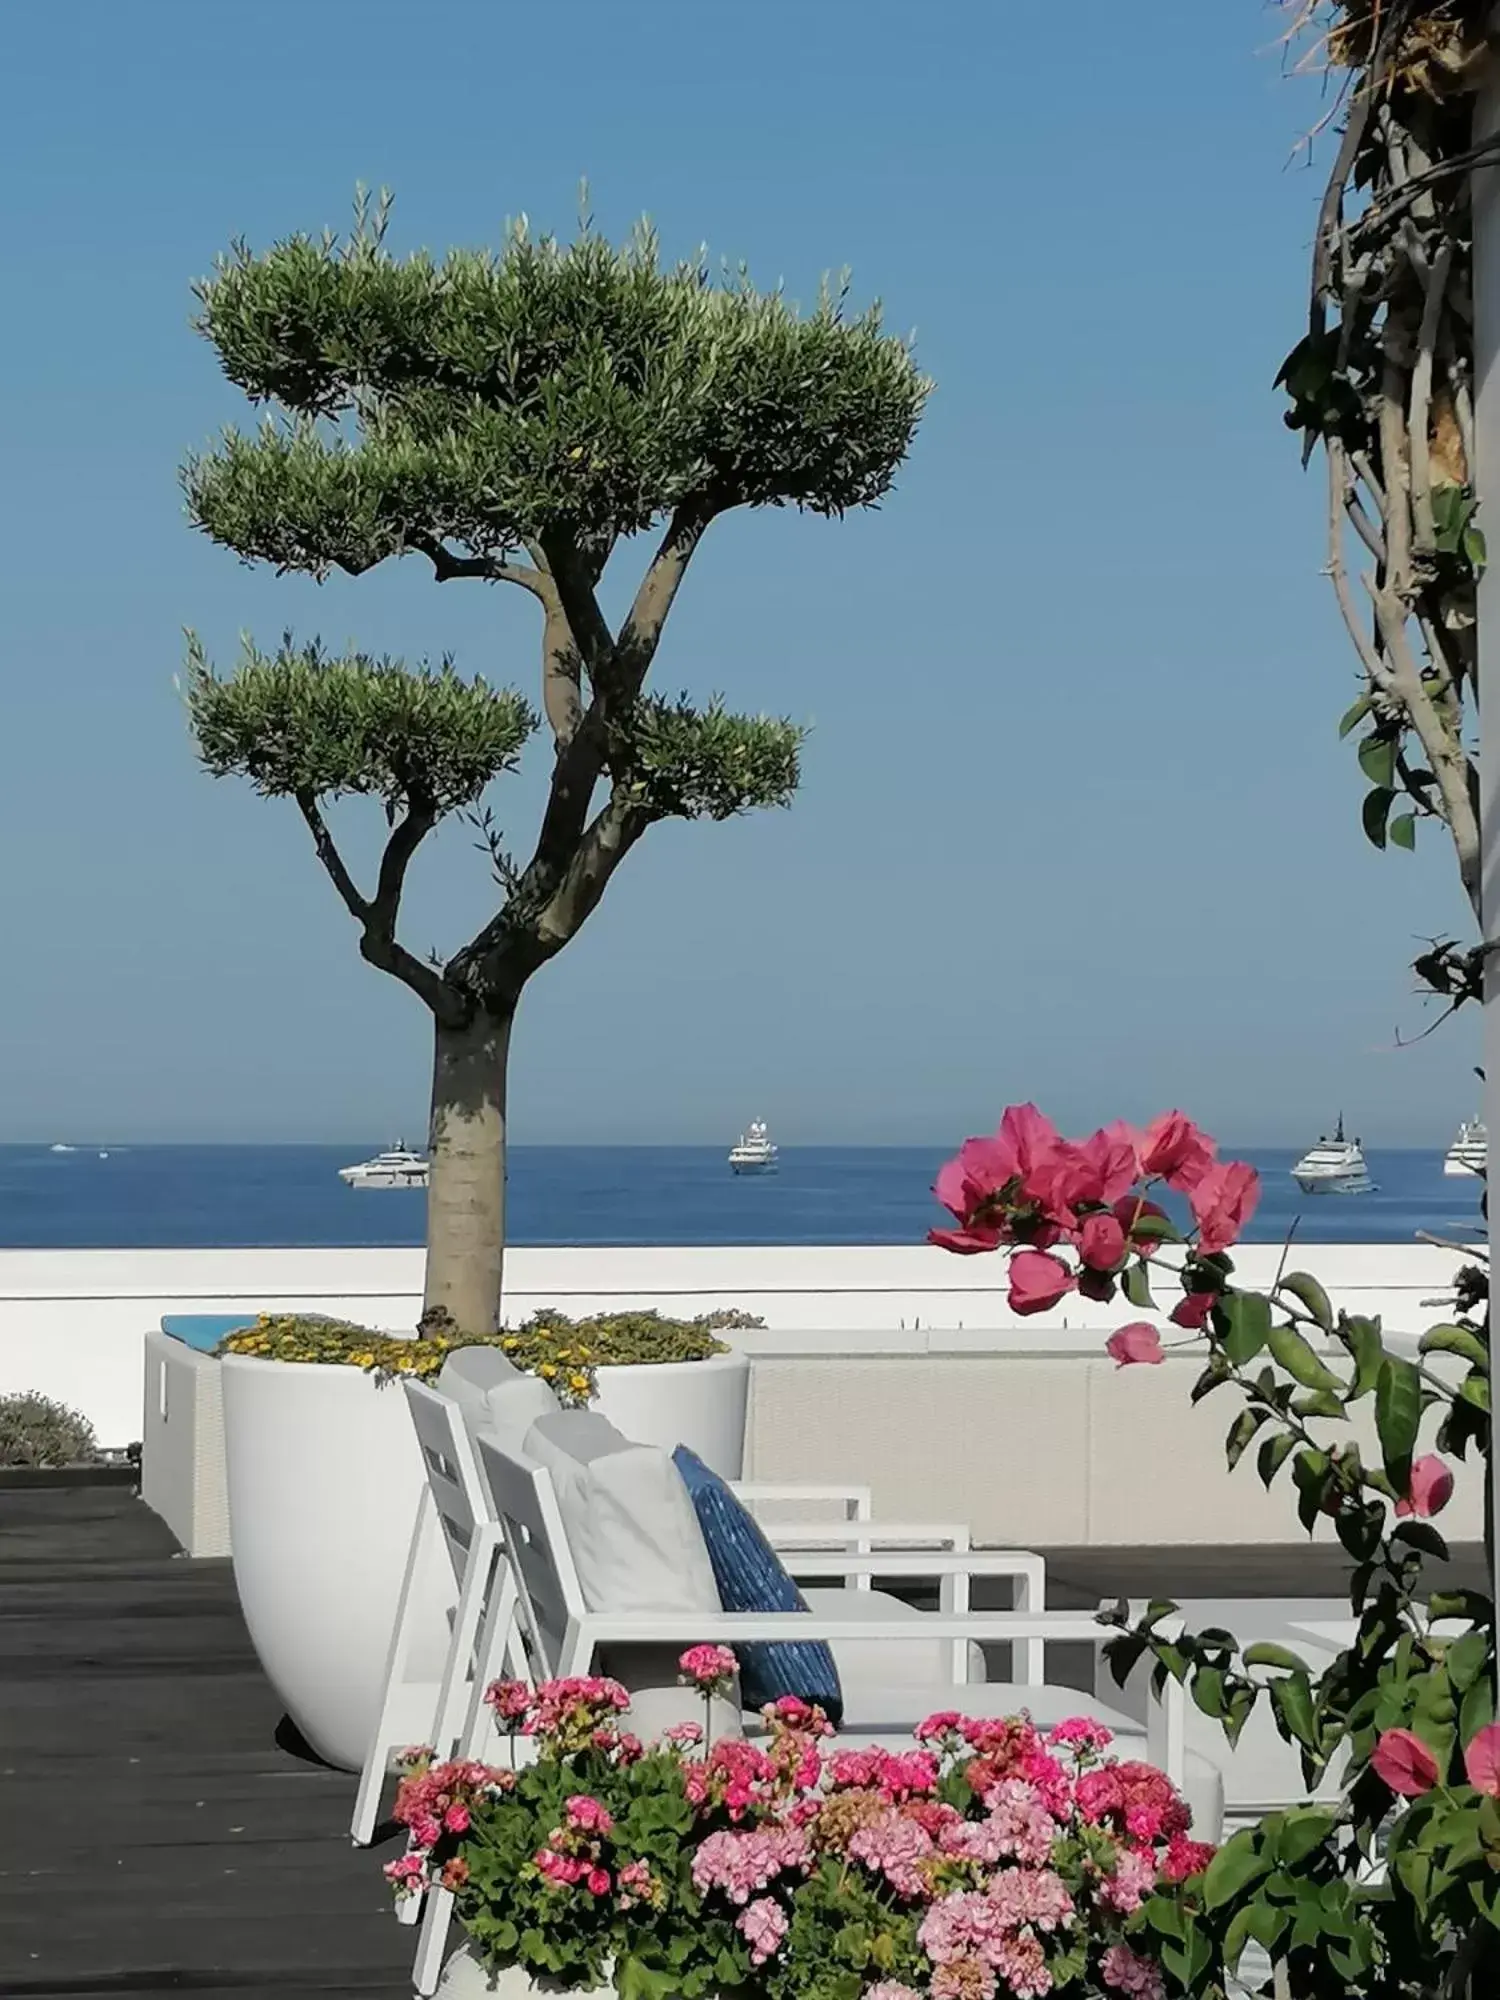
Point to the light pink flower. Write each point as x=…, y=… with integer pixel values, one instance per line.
x=1137, y=1342
x=456, y=1819
x=1405, y=1763
x=509, y=1699
x=1031, y=1896
x=963, y=1979
x=889, y=1989
x=893, y=1847
x=1223, y=1200
x=1038, y=1281
x=1132, y=1881
x=1429, y=1489
x=1021, y=1823
x=587, y=1814
x=684, y=1734
x=1482, y=1760
x=764, y=1924
x=1173, y=1149
x=1122, y=1969
x=1023, y=1966
x=636, y=1883
x=743, y=1864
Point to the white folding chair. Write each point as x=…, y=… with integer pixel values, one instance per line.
x=455, y=1522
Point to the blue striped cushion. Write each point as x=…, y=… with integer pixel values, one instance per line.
x=751, y=1577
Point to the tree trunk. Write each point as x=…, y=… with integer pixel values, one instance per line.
x=466, y=1182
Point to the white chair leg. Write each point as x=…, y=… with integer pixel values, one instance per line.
x=377, y=1757
x=494, y=1653
x=437, y=1912
x=460, y=1664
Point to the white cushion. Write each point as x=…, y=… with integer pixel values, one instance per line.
x=871, y=1663
x=631, y=1527
x=495, y=1395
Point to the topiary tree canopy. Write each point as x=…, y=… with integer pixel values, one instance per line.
x=513, y=417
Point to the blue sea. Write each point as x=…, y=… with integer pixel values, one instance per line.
x=185, y=1197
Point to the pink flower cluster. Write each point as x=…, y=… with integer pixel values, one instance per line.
x=742, y=1864
x=434, y=1802
x=1035, y=1194
x=710, y=1668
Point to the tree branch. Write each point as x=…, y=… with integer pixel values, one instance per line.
x=608, y=839
x=489, y=569
x=332, y=860
x=1420, y=419
x=641, y=633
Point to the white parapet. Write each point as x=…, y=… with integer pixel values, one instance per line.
x=899, y=1367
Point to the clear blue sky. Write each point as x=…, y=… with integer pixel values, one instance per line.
x=1075, y=825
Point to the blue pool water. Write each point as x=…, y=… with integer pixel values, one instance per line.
x=152, y=1197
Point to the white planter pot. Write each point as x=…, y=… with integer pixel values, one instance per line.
x=324, y=1475
x=697, y=1403
x=464, y=1978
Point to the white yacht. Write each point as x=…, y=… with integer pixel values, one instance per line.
x=397, y=1168
x=1469, y=1151
x=1334, y=1166
x=754, y=1153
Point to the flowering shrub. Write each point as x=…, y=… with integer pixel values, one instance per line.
x=1411, y=1704
x=37, y=1430
x=564, y=1352
x=987, y=1860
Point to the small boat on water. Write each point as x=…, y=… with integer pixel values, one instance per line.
x=753, y=1153
x=398, y=1167
x=1470, y=1150
x=1334, y=1166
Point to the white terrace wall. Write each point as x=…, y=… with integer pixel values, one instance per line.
x=899, y=1367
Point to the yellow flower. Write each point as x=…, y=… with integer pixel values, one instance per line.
x=578, y=1382
x=546, y=1368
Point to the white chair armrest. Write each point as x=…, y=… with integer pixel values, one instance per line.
x=866, y=1535
x=857, y=1501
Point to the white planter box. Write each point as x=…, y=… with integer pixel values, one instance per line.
x=182, y=1445
x=701, y=1404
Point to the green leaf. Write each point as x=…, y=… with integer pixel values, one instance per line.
x=1309, y=1293
x=1292, y=1699
x=1354, y=715
x=1318, y=1403
x=1135, y=1283
x=1265, y=1653
x=1402, y=831
x=1298, y=1359
x=1299, y=1832
x=1377, y=759
x=1421, y=1535
x=1238, y=1863
x=1362, y=1337
x=1247, y=1317
x=1373, y=814
x=1460, y=1340
x=1208, y=1690
x=1274, y=1454
x=1398, y=1417
x=1241, y=1432
x=1475, y=1389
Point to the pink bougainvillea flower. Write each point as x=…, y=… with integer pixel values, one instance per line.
x=1193, y=1310
x=1173, y=1149
x=1223, y=1200
x=1109, y=1162
x=1031, y=1137
x=1430, y=1490
x=1405, y=1763
x=1139, y=1341
x=1101, y=1242
x=978, y=1172
x=1037, y=1281
x=1482, y=1760
x=967, y=1242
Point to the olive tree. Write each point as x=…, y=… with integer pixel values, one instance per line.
x=513, y=417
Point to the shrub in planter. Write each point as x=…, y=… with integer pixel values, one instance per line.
x=35, y=1430
x=987, y=1859
x=564, y=1352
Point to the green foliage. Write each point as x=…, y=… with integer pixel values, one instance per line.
x=686, y=763
x=35, y=1430
x=301, y=722
x=1300, y=1884
x=498, y=399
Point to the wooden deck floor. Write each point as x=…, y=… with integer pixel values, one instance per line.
x=155, y=1836
x=154, y=1839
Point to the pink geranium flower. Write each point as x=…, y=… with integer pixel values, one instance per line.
x=1137, y=1342
x=710, y=1668
x=1429, y=1489
x=1223, y=1200
x=1038, y=1281
x=1405, y=1763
